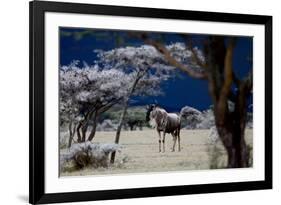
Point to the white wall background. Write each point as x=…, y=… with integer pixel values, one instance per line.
x=14, y=103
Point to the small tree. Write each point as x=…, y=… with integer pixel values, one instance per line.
x=87, y=92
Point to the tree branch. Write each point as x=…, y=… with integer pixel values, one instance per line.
x=108, y=105
x=222, y=106
x=228, y=71
x=163, y=50
x=194, y=52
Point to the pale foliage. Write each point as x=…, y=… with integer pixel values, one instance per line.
x=147, y=55
x=213, y=137
x=141, y=57
x=149, y=63
x=188, y=111
x=191, y=117
x=184, y=55
x=143, y=62
x=106, y=125
x=88, y=154
x=207, y=120
x=89, y=85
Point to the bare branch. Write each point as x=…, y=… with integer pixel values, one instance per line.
x=194, y=53
x=163, y=50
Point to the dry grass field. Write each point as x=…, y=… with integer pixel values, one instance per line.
x=140, y=154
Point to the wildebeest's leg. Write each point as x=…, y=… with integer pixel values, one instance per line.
x=159, y=134
x=179, y=139
x=164, y=133
x=174, y=139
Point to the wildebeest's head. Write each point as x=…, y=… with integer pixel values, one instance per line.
x=149, y=108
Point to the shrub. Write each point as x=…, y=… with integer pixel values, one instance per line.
x=213, y=137
x=88, y=154
x=106, y=125
x=216, y=159
x=215, y=150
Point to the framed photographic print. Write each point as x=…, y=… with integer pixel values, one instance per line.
x=139, y=102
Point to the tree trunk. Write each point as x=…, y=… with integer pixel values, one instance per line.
x=71, y=133
x=94, y=127
x=84, y=131
x=232, y=133
x=235, y=146
x=122, y=117
x=79, y=138
x=117, y=137
x=230, y=123
x=83, y=125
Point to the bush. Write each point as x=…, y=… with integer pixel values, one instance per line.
x=106, y=125
x=216, y=157
x=88, y=154
x=213, y=137
x=194, y=119
x=215, y=150
x=207, y=120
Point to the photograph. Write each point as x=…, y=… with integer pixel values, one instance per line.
x=133, y=102
x=119, y=102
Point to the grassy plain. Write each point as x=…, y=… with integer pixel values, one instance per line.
x=140, y=154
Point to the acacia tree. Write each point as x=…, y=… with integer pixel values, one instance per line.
x=146, y=66
x=87, y=92
x=216, y=66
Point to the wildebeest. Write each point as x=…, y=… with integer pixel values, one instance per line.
x=164, y=122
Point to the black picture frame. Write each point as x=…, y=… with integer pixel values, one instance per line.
x=37, y=193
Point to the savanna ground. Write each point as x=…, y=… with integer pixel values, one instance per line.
x=140, y=154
